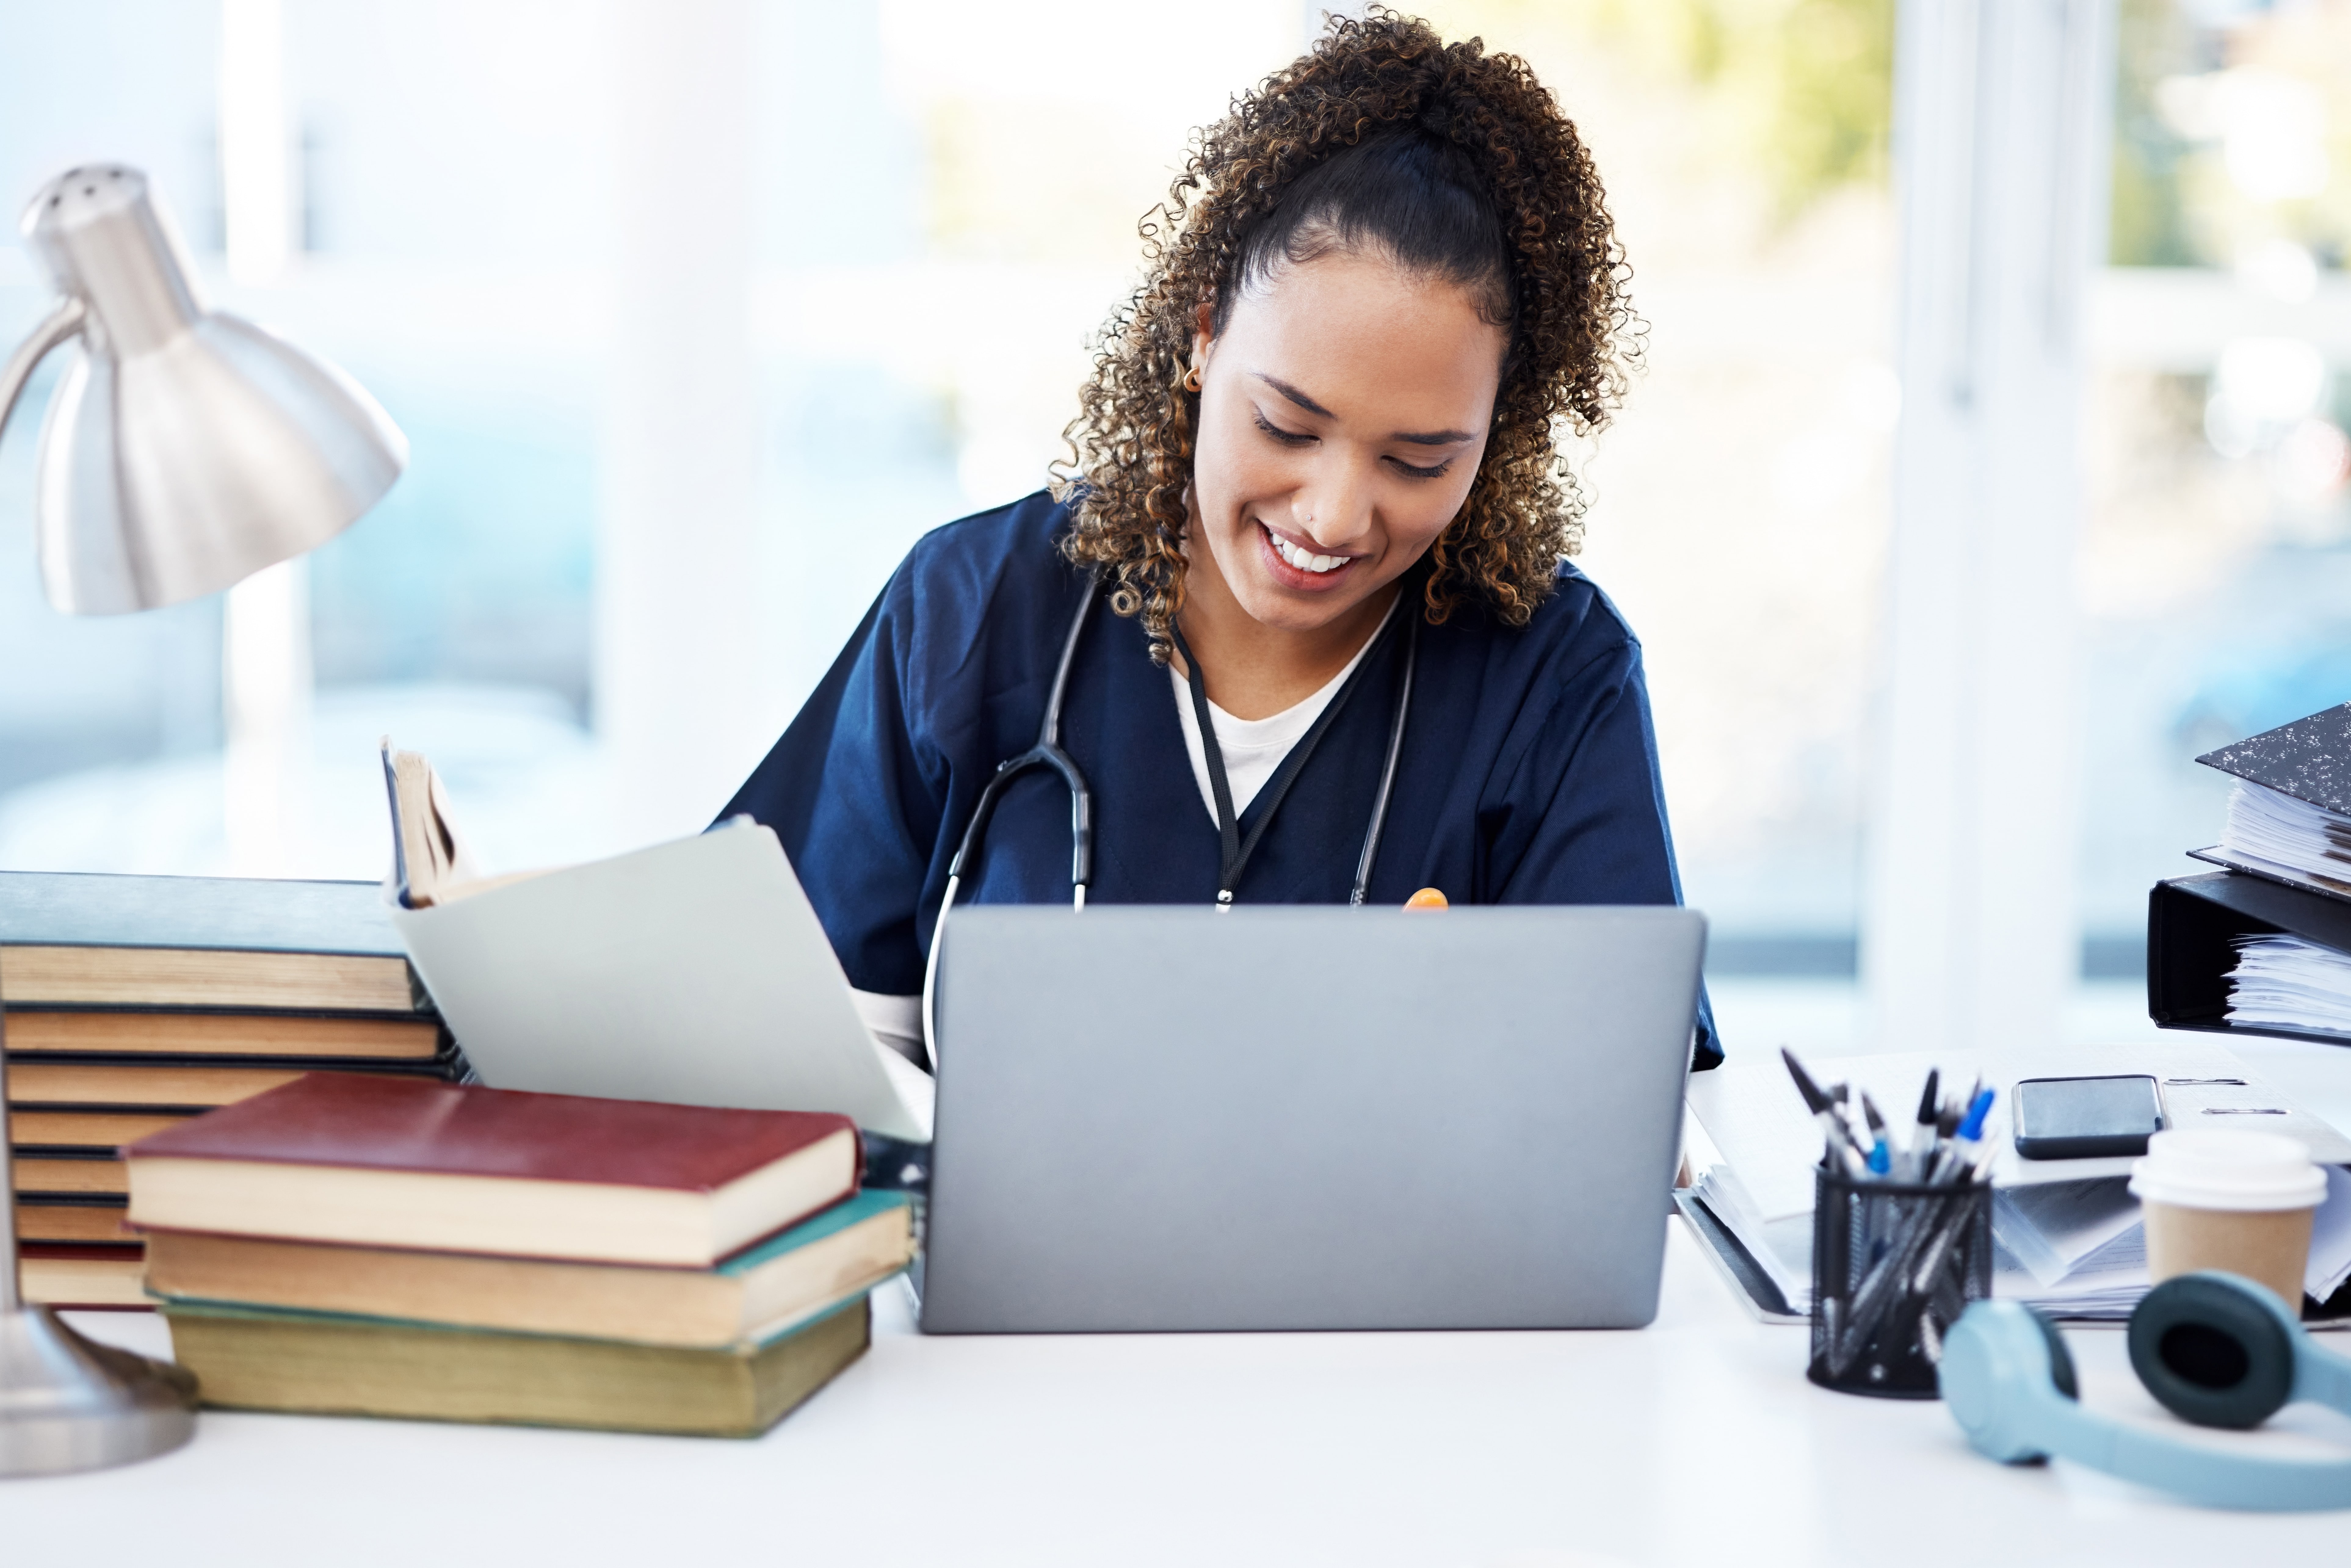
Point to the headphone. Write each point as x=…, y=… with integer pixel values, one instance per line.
x=2215, y=1349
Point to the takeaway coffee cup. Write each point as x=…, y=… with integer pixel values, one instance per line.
x=2220, y=1198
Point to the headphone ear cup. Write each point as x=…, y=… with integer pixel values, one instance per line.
x=2003, y=1367
x=2214, y=1349
x=2060, y=1360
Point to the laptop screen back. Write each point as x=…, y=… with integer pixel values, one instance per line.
x=1306, y=1117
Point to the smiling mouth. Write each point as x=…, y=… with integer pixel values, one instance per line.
x=1303, y=560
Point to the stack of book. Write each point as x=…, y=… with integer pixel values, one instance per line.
x=382, y=1247
x=134, y=1002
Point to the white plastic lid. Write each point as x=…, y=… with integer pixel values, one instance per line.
x=2220, y=1168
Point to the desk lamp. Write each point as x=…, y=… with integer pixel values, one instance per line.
x=184, y=451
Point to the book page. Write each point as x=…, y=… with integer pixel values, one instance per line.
x=693, y=972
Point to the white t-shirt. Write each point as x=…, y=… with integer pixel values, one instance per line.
x=1254, y=748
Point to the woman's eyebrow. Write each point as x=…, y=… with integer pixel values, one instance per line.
x=1294, y=396
x=1411, y=438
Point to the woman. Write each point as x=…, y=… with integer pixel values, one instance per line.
x=1314, y=468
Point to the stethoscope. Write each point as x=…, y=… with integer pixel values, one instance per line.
x=1233, y=851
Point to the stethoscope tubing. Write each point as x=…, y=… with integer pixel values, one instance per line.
x=1047, y=753
x=1388, y=765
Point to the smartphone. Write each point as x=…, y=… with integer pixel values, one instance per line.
x=2084, y=1118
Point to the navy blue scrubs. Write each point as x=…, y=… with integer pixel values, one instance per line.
x=1529, y=772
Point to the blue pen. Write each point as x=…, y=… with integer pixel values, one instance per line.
x=1961, y=1156
x=1881, y=1155
x=1971, y=1129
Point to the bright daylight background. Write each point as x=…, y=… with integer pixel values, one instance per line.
x=935, y=204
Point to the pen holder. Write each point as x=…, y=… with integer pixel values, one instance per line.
x=1894, y=1264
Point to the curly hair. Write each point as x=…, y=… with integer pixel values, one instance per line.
x=1248, y=195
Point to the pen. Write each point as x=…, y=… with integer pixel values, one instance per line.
x=1981, y=1170
x=1881, y=1157
x=1971, y=1130
x=1852, y=1146
x=1978, y=1109
x=1922, y=1135
x=1857, y=1132
x=1961, y=1155
x=1947, y=1123
x=1841, y=1098
x=1823, y=1110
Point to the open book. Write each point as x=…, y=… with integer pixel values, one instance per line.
x=430, y=862
x=693, y=972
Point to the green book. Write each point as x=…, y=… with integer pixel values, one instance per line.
x=313, y=1364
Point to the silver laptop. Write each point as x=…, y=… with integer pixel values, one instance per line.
x=1306, y=1117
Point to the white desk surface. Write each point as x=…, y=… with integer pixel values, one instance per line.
x=1695, y=1441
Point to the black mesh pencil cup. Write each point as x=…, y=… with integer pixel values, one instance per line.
x=1894, y=1264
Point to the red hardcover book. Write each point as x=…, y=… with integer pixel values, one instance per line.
x=404, y=1162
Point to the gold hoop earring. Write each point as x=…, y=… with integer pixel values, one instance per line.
x=1192, y=379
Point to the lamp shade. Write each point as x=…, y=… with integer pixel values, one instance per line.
x=184, y=449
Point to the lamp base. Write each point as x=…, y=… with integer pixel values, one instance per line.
x=68, y=1403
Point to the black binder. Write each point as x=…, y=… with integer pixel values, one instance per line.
x=2190, y=922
